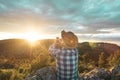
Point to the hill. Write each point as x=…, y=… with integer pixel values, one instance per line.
x=21, y=48
x=93, y=50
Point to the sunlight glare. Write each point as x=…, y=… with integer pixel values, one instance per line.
x=32, y=36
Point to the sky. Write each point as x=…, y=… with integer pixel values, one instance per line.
x=90, y=20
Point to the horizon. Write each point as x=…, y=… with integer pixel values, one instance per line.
x=96, y=21
x=34, y=42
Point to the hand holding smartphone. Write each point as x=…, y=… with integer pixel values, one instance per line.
x=58, y=42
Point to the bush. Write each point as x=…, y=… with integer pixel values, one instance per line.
x=40, y=62
x=6, y=66
x=5, y=75
x=82, y=69
x=13, y=74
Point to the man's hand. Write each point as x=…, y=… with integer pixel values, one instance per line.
x=58, y=43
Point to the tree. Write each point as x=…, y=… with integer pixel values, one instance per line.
x=114, y=59
x=102, y=60
x=86, y=59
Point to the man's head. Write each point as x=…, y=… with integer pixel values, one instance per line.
x=69, y=38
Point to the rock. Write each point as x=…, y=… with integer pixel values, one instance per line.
x=97, y=74
x=46, y=73
x=92, y=78
x=115, y=74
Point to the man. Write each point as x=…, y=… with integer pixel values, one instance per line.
x=66, y=54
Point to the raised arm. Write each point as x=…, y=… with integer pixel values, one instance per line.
x=54, y=50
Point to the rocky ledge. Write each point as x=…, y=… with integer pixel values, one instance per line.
x=48, y=73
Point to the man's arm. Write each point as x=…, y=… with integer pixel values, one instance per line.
x=53, y=50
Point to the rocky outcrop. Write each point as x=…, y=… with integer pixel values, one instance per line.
x=103, y=74
x=48, y=73
x=97, y=74
x=115, y=73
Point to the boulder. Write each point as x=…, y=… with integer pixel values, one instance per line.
x=46, y=73
x=49, y=73
x=115, y=73
x=97, y=74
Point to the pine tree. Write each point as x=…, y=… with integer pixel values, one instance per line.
x=102, y=60
x=110, y=60
x=86, y=59
x=117, y=58
x=114, y=59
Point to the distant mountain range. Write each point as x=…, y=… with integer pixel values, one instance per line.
x=18, y=47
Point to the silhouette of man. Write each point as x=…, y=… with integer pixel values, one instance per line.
x=66, y=54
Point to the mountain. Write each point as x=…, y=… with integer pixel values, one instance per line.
x=21, y=48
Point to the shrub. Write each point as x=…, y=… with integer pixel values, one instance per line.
x=39, y=62
x=5, y=75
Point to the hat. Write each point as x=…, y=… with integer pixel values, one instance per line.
x=69, y=38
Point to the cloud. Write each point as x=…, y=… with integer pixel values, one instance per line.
x=75, y=10
x=102, y=37
x=81, y=11
x=83, y=17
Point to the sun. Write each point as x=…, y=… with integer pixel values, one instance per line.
x=31, y=39
x=32, y=36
